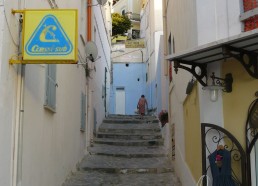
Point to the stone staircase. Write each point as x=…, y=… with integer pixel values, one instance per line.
x=129, y=150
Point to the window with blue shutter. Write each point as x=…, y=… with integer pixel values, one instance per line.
x=83, y=111
x=50, y=95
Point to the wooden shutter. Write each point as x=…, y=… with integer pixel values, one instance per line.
x=83, y=111
x=50, y=99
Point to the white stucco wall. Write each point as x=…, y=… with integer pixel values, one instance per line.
x=8, y=91
x=152, y=17
x=121, y=54
x=151, y=30
x=217, y=19
x=143, y=24
x=51, y=144
x=133, y=6
x=108, y=9
x=181, y=26
x=102, y=40
x=158, y=15
x=221, y=22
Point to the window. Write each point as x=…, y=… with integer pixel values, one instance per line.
x=95, y=121
x=83, y=112
x=169, y=45
x=174, y=45
x=95, y=33
x=123, y=12
x=50, y=92
x=170, y=72
x=103, y=91
x=135, y=34
x=171, y=49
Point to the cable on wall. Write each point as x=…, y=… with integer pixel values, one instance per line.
x=9, y=29
x=101, y=43
x=105, y=26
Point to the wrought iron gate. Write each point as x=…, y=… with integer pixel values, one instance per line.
x=214, y=136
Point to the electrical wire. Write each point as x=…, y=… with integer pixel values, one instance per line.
x=102, y=43
x=105, y=26
x=9, y=29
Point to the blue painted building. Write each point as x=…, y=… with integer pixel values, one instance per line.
x=129, y=83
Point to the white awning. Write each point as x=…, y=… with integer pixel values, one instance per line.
x=214, y=51
x=244, y=44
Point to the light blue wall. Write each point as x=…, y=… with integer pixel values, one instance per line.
x=127, y=77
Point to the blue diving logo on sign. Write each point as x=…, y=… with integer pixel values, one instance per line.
x=49, y=38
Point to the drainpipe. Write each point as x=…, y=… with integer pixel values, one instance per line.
x=18, y=133
x=90, y=91
x=89, y=24
x=19, y=127
x=164, y=10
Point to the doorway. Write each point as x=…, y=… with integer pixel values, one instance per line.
x=120, y=101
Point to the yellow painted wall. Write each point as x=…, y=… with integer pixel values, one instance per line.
x=236, y=103
x=136, y=26
x=192, y=133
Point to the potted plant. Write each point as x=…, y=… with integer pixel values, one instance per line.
x=163, y=117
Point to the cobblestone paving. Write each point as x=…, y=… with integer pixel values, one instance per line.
x=119, y=158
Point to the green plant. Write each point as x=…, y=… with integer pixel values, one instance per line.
x=120, y=24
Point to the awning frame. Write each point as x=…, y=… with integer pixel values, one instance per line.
x=243, y=49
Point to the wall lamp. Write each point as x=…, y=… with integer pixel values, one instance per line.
x=224, y=84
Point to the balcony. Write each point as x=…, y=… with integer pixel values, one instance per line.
x=133, y=16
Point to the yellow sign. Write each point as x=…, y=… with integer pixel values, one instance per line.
x=136, y=43
x=50, y=36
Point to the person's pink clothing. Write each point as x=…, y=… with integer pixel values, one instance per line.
x=141, y=105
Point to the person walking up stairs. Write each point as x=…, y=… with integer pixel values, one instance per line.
x=127, y=151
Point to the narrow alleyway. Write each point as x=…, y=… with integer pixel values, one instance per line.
x=127, y=151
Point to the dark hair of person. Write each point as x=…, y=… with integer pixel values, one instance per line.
x=142, y=96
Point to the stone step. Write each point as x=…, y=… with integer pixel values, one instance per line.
x=130, y=132
x=97, y=178
x=121, y=155
x=119, y=116
x=130, y=120
x=135, y=136
x=126, y=165
x=126, y=142
x=128, y=151
x=129, y=128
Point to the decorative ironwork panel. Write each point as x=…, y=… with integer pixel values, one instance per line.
x=251, y=134
x=215, y=138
